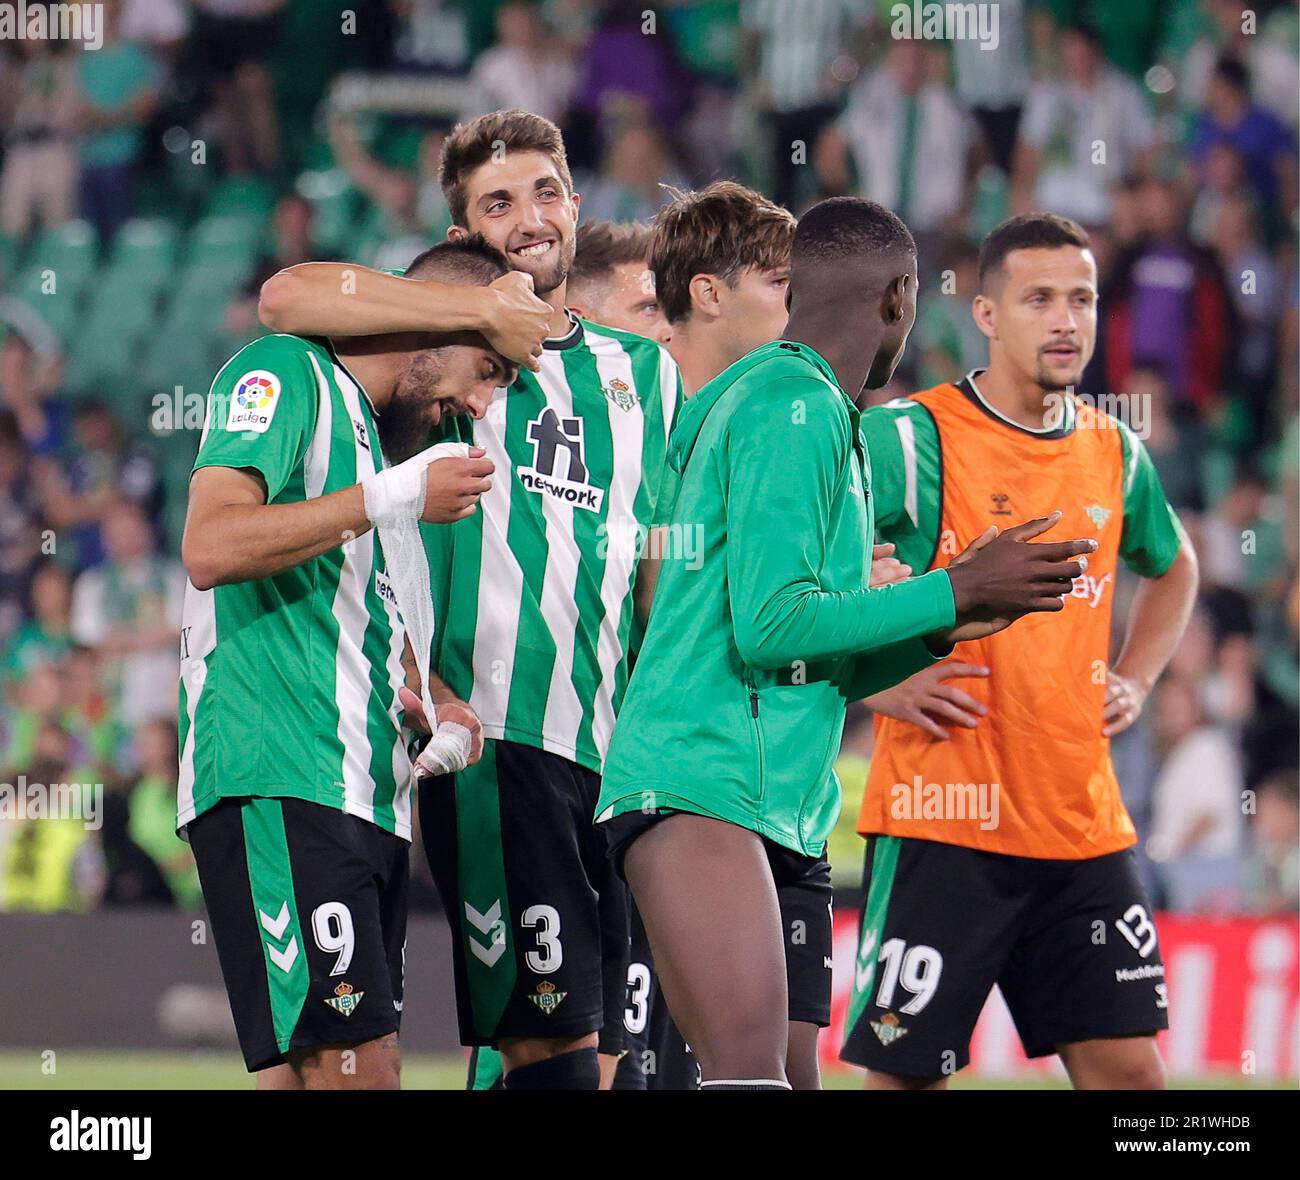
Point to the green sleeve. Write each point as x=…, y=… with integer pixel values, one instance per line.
x=882, y=669
x=781, y=470
x=906, y=477
x=262, y=412
x=1152, y=533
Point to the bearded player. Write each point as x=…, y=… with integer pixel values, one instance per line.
x=534, y=600
x=1000, y=800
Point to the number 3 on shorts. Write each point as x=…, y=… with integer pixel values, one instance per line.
x=546, y=920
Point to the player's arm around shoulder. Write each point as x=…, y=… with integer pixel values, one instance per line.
x=343, y=299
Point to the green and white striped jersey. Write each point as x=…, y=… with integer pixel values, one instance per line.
x=289, y=683
x=533, y=593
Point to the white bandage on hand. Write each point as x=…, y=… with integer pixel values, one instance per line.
x=396, y=494
x=448, y=750
x=394, y=500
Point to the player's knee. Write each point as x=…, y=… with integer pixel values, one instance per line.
x=1124, y=1065
x=517, y=1052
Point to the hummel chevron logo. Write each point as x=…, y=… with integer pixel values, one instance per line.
x=275, y=927
x=865, y=967
x=491, y=925
x=284, y=959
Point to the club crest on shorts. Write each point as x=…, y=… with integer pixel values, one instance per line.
x=547, y=998
x=344, y=1001
x=621, y=394
x=888, y=1029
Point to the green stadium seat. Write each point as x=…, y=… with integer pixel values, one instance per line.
x=145, y=251
x=334, y=204
x=242, y=195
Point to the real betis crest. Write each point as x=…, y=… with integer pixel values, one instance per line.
x=547, y=998
x=1097, y=514
x=888, y=1029
x=344, y=1001
x=621, y=394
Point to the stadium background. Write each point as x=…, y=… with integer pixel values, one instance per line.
x=148, y=187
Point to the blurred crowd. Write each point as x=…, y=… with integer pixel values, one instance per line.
x=1168, y=129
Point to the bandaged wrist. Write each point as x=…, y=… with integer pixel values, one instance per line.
x=397, y=493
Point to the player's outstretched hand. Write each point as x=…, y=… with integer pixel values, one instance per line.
x=1001, y=576
x=454, y=486
x=925, y=700
x=519, y=321
x=452, y=709
x=886, y=568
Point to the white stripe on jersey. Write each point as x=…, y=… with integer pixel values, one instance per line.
x=559, y=603
x=627, y=430
x=199, y=615
x=316, y=463
x=351, y=668
x=907, y=440
x=501, y=580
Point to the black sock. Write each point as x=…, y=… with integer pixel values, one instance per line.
x=745, y=1084
x=576, y=1070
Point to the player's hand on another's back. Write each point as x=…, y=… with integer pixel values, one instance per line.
x=519, y=321
x=453, y=487
x=925, y=700
x=1001, y=576
x=886, y=568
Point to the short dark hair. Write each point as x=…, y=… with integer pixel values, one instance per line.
x=723, y=229
x=1029, y=231
x=473, y=261
x=850, y=227
x=472, y=144
x=603, y=245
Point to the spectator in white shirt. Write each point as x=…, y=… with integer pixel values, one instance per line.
x=1080, y=135
x=129, y=609
x=1196, y=836
x=908, y=138
x=527, y=68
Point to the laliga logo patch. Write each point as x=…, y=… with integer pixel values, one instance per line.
x=253, y=402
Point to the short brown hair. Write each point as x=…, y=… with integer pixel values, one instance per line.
x=1029, y=231
x=721, y=230
x=472, y=144
x=603, y=245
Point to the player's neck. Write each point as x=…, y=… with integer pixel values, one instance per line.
x=849, y=356
x=559, y=325
x=1017, y=397
x=375, y=372
x=699, y=355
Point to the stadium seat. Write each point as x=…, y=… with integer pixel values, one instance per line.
x=334, y=205
x=246, y=195
x=144, y=251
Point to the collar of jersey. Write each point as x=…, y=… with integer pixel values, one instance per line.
x=571, y=339
x=334, y=356
x=972, y=391
x=809, y=354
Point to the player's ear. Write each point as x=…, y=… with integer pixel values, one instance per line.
x=981, y=310
x=457, y=233
x=893, y=305
x=704, y=294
